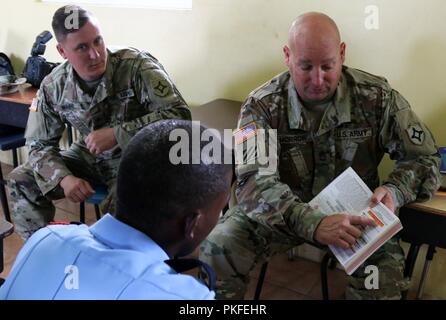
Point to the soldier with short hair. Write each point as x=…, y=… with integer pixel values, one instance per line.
x=163, y=211
x=107, y=96
x=328, y=117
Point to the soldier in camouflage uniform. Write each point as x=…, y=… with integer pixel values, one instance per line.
x=108, y=96
x=328, y=117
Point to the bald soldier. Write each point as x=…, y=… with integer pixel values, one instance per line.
x=107, y=96
x=328, y=117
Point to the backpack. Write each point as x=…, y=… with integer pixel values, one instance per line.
x=5, y=65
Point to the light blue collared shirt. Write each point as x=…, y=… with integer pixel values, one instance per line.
x=109, y=260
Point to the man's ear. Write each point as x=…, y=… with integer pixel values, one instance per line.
x=286, y=55
x=191, y=223
x=61, y=50
x=342, y=49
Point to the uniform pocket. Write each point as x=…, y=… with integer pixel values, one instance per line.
x=296, y=170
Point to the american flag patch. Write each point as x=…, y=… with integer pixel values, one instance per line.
x=245, y=133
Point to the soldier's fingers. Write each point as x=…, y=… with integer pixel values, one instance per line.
x=362, y=220
x=89, y=138
x=342, y=244
x=73, y=197
x=348, y=238
x=373, y=201
x=83, y=193
x=89, y=188
x=388, y=202
x=78, y=193
x=354, y=232
x=94, y=149
x=85, y=190
x=91, y=147
x=377, y=196
x=80, y=196
x=90, y=143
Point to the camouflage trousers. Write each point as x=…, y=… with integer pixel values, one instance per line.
x=32, y=210
x=238, y=244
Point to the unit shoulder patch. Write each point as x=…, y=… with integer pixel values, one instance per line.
x=416, y=134
x=161, y=88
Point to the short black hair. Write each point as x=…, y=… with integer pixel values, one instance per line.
x=64, y=23
x=151, y=188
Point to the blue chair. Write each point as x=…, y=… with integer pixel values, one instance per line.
x=96, y=199
x=11, y=138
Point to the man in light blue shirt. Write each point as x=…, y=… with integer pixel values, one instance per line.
x=164, y=210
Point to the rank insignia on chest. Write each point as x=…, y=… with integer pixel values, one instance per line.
x=245, y=133
x=126, y=94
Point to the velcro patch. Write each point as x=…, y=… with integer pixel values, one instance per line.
x=357, y=133
x=247, y=132
x=416, y=134
x=294, y=138
x=126, y=94
x=161, y=88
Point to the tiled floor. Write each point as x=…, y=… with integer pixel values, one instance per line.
x=298, y=279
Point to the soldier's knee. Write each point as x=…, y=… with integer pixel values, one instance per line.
x=22, y=184
x=209, y=247
x=222, y=240
x=21, y=175
x=383, y=280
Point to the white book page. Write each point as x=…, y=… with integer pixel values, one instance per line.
x=348, y=193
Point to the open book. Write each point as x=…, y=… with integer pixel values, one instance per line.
x=348, y=193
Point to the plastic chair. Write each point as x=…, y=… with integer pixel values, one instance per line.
x=96, y=199
x=421, y=228
x=328, y=261
x=6, y=229
x=11, y=138
x=101, y=190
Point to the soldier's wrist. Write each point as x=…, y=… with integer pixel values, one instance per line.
x=122, y=137
x=397, y=195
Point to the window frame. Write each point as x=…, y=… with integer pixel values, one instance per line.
x=146, y=4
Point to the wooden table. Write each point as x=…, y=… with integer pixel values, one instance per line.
x=423, y=223
x=14, y=111
x=435, y=206
x=14, y=108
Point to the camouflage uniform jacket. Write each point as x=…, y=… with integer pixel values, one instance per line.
x=365, y=119
x=134, y=91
